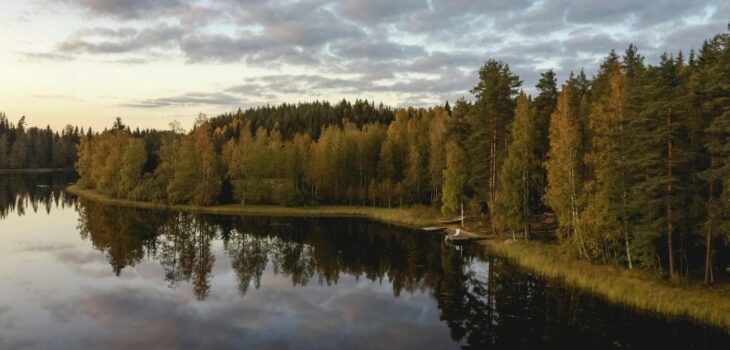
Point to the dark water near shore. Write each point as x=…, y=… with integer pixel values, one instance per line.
x=78, y=275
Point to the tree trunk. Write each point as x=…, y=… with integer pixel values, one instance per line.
x=493, y=173
x=670, y=226
x=708, y=241
x=708, y=258
x=526, y=203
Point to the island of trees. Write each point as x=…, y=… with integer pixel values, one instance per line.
x=633, y=162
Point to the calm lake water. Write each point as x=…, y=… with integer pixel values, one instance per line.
x=78, y=275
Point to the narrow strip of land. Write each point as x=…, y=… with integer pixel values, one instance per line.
x=412, y=217
x=636, y=289
x=34, y=170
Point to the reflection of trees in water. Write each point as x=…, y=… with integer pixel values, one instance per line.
x=249, y=257
x=180, y=242
x=485, y=301
x=18, y=192
x=302, y=249
x=183, y=248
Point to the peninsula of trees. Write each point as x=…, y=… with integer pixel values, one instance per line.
x=634, y=162
x=32, y=148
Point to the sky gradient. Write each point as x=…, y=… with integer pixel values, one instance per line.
x=84, y=62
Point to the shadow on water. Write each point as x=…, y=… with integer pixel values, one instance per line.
x=485, y=301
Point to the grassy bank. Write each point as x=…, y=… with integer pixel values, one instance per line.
x=414, y=217
x=622, y=286
x=33, y=171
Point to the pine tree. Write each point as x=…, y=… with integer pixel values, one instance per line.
x=661, y=151
x=715, y=60
x=489, y=121
x=545, y=104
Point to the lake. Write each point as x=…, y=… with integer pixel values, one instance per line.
x=81, y=275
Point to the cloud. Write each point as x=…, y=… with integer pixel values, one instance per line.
x=377, y=11
x=108, y=41
x=188, y=100
x=378, y=50
x=128, y=9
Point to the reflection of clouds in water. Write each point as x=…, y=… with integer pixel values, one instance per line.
x=126, y=318
x=45, y=247
x=85, y=263
x=6, y=318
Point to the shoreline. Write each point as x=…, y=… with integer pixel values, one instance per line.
x=34, y=170
x=619, y=286
x=410, y=217
x=633, y=289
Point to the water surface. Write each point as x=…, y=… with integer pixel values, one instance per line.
x=78, y=275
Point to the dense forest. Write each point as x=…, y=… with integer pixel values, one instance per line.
x=22, y=148
x=634, y=162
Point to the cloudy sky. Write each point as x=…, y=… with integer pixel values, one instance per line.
x=85, y=62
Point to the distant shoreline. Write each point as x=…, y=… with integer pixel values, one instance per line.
x=411, y=217
x=34, y=170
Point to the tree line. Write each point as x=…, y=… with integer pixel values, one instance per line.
x=22, y=148
x=634, y=162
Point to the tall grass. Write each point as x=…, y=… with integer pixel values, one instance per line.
x=622, y=286
x=413, y=217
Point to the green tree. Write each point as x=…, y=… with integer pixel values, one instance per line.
x=455, y=177
x=18, y=151
x=606, y=218
x=4, y=151
x=715, y=74
x=197, y=171
x=133, y=161
x=564, y=166
x=520, y=172
x=489, y=121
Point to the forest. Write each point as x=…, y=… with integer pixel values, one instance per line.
x=36, y=148
x=634, y=162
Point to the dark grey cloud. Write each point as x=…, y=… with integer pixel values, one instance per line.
x=377, y=50
x=642, y=12
x=129, y=9
x=377, y=11
x=296, y=37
